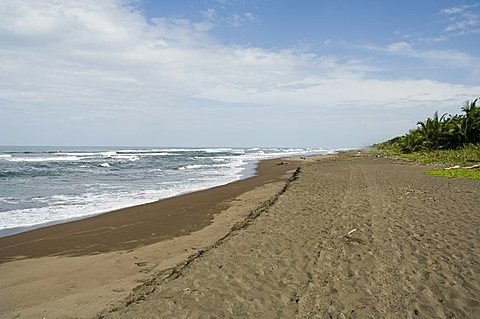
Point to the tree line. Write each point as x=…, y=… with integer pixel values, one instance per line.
x=444, y=132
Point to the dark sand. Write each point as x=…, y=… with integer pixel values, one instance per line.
x=135, y=226
x=358, y=237
x=78, y=268
x=353, y=236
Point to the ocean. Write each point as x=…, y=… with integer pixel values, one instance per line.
x=40, y=186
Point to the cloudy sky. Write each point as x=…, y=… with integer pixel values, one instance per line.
x=231, y=72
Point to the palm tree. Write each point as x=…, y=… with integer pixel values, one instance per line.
x=454, y=137
x=432, y=131
x=470, y=128
x=452, y=132
x=411, y=142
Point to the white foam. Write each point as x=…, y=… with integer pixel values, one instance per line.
x=150, y=152
x=109, y=154
x=99, y=155
x=205, y=150
x=216, y=150
x=117, y=154
x=233, y=163
x=104, y=165
x=67, y=207
x=193, y=166
x=63, y=207
x=8, y=200
x=155, y=154
x=44, y=159
x=131, y=158
x=4, y=156
x=88, y=154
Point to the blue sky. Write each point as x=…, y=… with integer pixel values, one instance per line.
x=231, y=73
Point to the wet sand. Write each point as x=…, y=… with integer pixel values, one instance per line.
x=135, y=226
x=352, y=236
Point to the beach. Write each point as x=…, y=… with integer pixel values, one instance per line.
x=76, y=269
x=344, y=236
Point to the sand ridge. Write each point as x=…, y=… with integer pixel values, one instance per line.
x=355, y=237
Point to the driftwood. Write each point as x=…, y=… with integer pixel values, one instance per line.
x=473, y=166
x=452, y=167
x=465, y=167
x=351, y=231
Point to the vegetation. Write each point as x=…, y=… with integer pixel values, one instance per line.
x=468, y=154
x=440, y=133
x=454, y=173
x=446, y=138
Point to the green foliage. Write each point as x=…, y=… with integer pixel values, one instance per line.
x=455, y=173
x=452, y=132
x=468, y=154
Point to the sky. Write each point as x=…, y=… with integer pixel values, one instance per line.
x=236, y=73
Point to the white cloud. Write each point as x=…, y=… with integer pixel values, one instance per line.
x=462, y=20
x=341, y=92
x=458, y=9
x=432, y=39
x=237, y=20
x=249, y=16
x=208, y=23
x=209, y=14
x=439, y=58
x=468, y=25
x=84, y=60
x=399, y=47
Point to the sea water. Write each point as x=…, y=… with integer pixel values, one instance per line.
x=45, y=185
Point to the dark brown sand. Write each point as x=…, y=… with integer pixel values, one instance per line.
x=76, y=269
x=135, y=226
x=351, y=238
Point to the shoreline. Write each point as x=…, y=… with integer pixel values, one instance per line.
x=250, y=170
x=349, y=234
x=87, y=265
x=123, y=229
